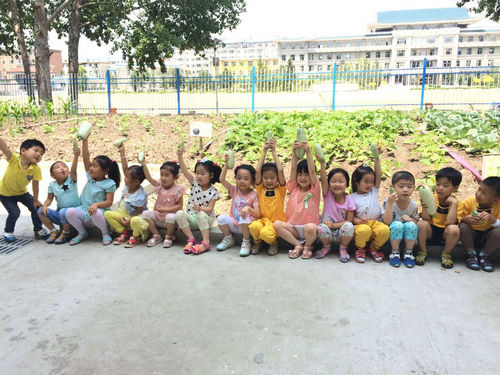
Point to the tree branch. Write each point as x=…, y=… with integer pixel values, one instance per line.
x=58, y=11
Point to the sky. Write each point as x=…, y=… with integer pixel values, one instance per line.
x=276, y=19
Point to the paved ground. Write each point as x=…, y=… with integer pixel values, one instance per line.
x=93, y=310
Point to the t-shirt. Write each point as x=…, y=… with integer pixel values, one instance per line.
x=202, y=197
x=439, y=219
x=367, y=206
x=272, y=202
x=296, y=211
x=167, y=198
x=397, y=212
x=134, y=200
x=95, y=191
x=65, y=194
x=334, y=211
x=239, y=201
x=470, y=204
x=16, y=179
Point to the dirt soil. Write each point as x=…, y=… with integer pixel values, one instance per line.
x=159, y=136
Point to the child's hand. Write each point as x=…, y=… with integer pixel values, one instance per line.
x=93, y=209
x=328, y=223
x=226, y=157
x=196, y=207
x=304, y=145
x=245, y=211
x=406, y=218
x=45, y=210
x=424, y=205
x=272, y=144
x=451, y=200
x=358, y=221
x=392, y=198
x=37, y=203
x=125, y=222
x=485, y=216
x=77, y=153
x=295, y=145
x=179, y=153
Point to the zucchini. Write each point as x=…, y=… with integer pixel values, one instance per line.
x=75, y=145
x=270, y=135
x=374, y=148
x=181, y=146
x=84, y=130
x=119, y=142
x=140, y=157
x=230, y=159
x=319, y=152
x=428, y=198
x=301, y=137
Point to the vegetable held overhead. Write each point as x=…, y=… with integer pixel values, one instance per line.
x=301, y=137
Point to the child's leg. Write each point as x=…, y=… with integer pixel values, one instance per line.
x=310, y=233
x=255, y=228
x=227, y=227
x=410, y=234
x=205, y=221
x=397, y=231
x=139, y=227
x=467, y=236
x=346, y=234
x=170, y=224
x=182, y=219
x=223, y=222
x=362, y=234
x=285, y=231
x=424, y=233
x=100, y=222
x=381, y=233
x=492, y=241
x=49, y=219
x=113, y=218
x=325, y=235
x=27, y=200
x=451, y=237
x=76, y=217
x=13, y=211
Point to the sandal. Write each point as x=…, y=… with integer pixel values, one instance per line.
x=320, y=254
x=131, y=242
x=360, y=255
x=420, y=258
x=153, y=241
x=485, y=263
x=446, y=261
x=197, y=250
x=188, y=249
x=377, y=255
x=169, y=241
x=472, y=263
x=124, y=236
x=307, y=253
x=295, y=252
x=344, y=256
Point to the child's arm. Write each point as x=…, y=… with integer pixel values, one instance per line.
x=104, y=204
x=293, y=162
x=47, y=203
x=148, y=176
x=323, y=177
x=255, y=212
x=424, y=214
x=222, y=177
x=451, y=218
x=350, y=216
x=208, y=208
x=5, y=149
x=281, y=174
x=173, y=209
x=74, y=165
x=86, y=154
x=258, y=175
x=310, y=164
x=389, y=208
x=36, y=188
x=378, y=169
x=123, y=158
x=184, y=170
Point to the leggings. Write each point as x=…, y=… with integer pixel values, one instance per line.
x=138, y=225
x=375, y=231
x=76, y=217
x=201, y=220
x=407, y=230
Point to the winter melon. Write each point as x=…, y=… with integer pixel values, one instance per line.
x=75, y=145
x=270, y=135
x=84, y=130
x=230, y=159
x=181, y=146
x=319, y=152
x=428, y=198
x=301, y=137
x=374, y=148
x=140, y=157
x=119, y=142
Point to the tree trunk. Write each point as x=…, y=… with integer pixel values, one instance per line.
x=42, y=54
x=18, y=29
x=73, y=44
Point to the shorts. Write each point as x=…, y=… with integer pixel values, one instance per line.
x=57, y=217
x=437, y=237
x=300, y=230
x=230, y=222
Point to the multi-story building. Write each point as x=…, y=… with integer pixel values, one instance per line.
x=11, y=67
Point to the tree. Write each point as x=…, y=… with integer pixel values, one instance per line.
x=491, y=7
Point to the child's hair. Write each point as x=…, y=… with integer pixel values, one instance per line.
x=358, y=174
x=28, y=143
x=111, y=166
x=454, y=176
x=172, y=167
x=211, y=167
x=137, y=172
x=302, y=166
x=249, y=168
x=54, y=164
x=338, y=170
x=493, y=182
x=269, y=167
x=402, y=175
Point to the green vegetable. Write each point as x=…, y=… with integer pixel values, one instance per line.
x=84, y=130
x=319, y=151
x=374, y=148
x=428, y=198
x=181, y=146
x=475, y=213
x=301, y=137
x=75, y=145
x=391, y=189
x=140, y=157
x=230, y=160
x=270, y=135
x=119, y=142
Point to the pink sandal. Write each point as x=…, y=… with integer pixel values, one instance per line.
x=197, y=250
x=188, y=249
x=169, y=241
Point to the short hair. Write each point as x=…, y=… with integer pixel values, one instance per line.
x=54, y=164
x=247, y=167
x=29, y=143
x=269, y=167
x=402, y=175
x=137, y=172
x=493, y=183
x=358, y=174
x=338, y=170
x=172, y=166
x=454, y=176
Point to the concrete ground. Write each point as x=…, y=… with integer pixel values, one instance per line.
x=89, y=309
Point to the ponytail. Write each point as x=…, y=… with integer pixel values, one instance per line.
x=211, y=167
x=111, y=166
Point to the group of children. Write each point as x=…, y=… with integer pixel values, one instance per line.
x=258, y=214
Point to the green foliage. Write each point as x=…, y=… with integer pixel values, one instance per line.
x=490, y=7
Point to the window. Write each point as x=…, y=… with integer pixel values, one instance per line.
x=478, y=63
x=491, y=51
x=448, y=39
x=319, y=68
x=329, y=56
x=469, y=51
x=458, y=63
x=467, y=63
x=481, y=38
x=415, y=64
x=225, y=63
x=401, y=41
x=386, y=65
x=311, y=56
x=338, y=56
x=447, y=51
x=431, y=40
x=414, y=52
x=249, y=63
x=348, y=56
x=328, y=67
x=283, y=57
x=401, y=53
x=358, y=43
x=493, y=38
x=292, y=46
x=459, y=52
x=490, y=62
x=292, y=57
x=320, y=56
x=470, y=38
x=387, y=53
x=377, y=55
x=479, y=51
x=302, y=68
x=338, y=44
x=368, y=55
x=432, y=52
x=447, y=64
x=311, y=68
x=460, y=39
x=301, y=57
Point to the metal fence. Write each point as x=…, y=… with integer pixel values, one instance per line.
x=341, y=88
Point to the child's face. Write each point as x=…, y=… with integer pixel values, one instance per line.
x=338, y=184
x=485, y=196
x=167, y=179
x=96, y=171
x=60, y=171
x=303, y=180
x=130, y=181
x=404, y=189
x=33, y=154
x=365, y=185
x=202, y=176
x=444, y=188
x=270, y=179
x=243, y=179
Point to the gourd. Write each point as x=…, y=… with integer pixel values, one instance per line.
x=475, y=213
x=119, y=142
x=319, y=152
x=391, y=189
x=230, y=159
x=181, y=146
x=75, y=145
x=301, y=137
x=270, y=135
x=428, y=198
x=84, y=130
x=140, y=157
x=374, y=148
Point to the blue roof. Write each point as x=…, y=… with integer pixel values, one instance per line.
x=422, y=15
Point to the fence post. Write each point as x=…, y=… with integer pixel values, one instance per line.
x=253, y=88
x=178, y=80
x=108, y=86
x=334, y=84
x=423, y=84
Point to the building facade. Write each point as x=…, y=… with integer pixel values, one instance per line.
x=11, y=67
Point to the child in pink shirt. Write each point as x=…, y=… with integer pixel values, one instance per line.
x=302, y=209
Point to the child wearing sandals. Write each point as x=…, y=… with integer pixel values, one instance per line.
x=127, y=219
x=169, y=200
x=480, y=226
x=65, y=190
x=401, y=214
x=200, y=209
x=367, y=227
x=442, y=229
x=270, y=185
x=103, y=177
x=302, y=210
x=338, y=213
x=244, y=207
